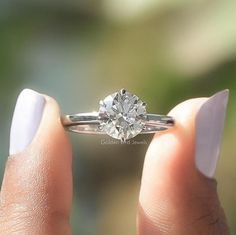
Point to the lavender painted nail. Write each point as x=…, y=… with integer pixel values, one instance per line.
x=26, y=119
x=209, y=129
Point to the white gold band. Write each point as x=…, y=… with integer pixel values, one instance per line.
x=89, y=123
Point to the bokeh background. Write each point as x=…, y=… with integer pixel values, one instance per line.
x=165, y=51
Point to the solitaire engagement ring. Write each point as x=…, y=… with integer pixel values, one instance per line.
x=121, y=115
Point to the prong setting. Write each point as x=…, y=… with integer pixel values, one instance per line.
x=122, y=91
x=125, y=114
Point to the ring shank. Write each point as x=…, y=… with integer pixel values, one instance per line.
x=88, y=123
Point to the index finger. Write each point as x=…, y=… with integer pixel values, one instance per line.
x=178, y=195
x=36, y=192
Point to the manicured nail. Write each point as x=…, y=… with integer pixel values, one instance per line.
x=26, y=119
x=209, y=130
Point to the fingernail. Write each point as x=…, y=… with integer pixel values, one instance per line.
x=26, y=119
x=209, y=130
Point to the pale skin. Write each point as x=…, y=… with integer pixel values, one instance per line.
x=175, y=198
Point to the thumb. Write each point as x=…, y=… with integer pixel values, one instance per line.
x=36, y=191
x=178, y=194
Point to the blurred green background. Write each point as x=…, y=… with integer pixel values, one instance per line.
x=165, y=51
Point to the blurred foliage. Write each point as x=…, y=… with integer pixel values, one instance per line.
x=164, y=51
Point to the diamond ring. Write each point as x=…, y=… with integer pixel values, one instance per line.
x=121, y=115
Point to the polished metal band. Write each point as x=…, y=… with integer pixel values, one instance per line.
x=89, y=123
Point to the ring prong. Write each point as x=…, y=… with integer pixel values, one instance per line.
x=101, y=103
x=122, y=91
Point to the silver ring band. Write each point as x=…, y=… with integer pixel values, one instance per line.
x=89, y=123
x=121, y=115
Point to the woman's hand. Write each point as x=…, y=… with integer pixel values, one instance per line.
x=178, y=195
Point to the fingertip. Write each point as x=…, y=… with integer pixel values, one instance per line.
x=39, y=176
x=172, y=147
x=172, y=152
x=185, y=112
x=26, y=120
x=169, y=172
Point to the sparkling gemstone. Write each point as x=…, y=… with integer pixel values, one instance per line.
x=122, y=115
